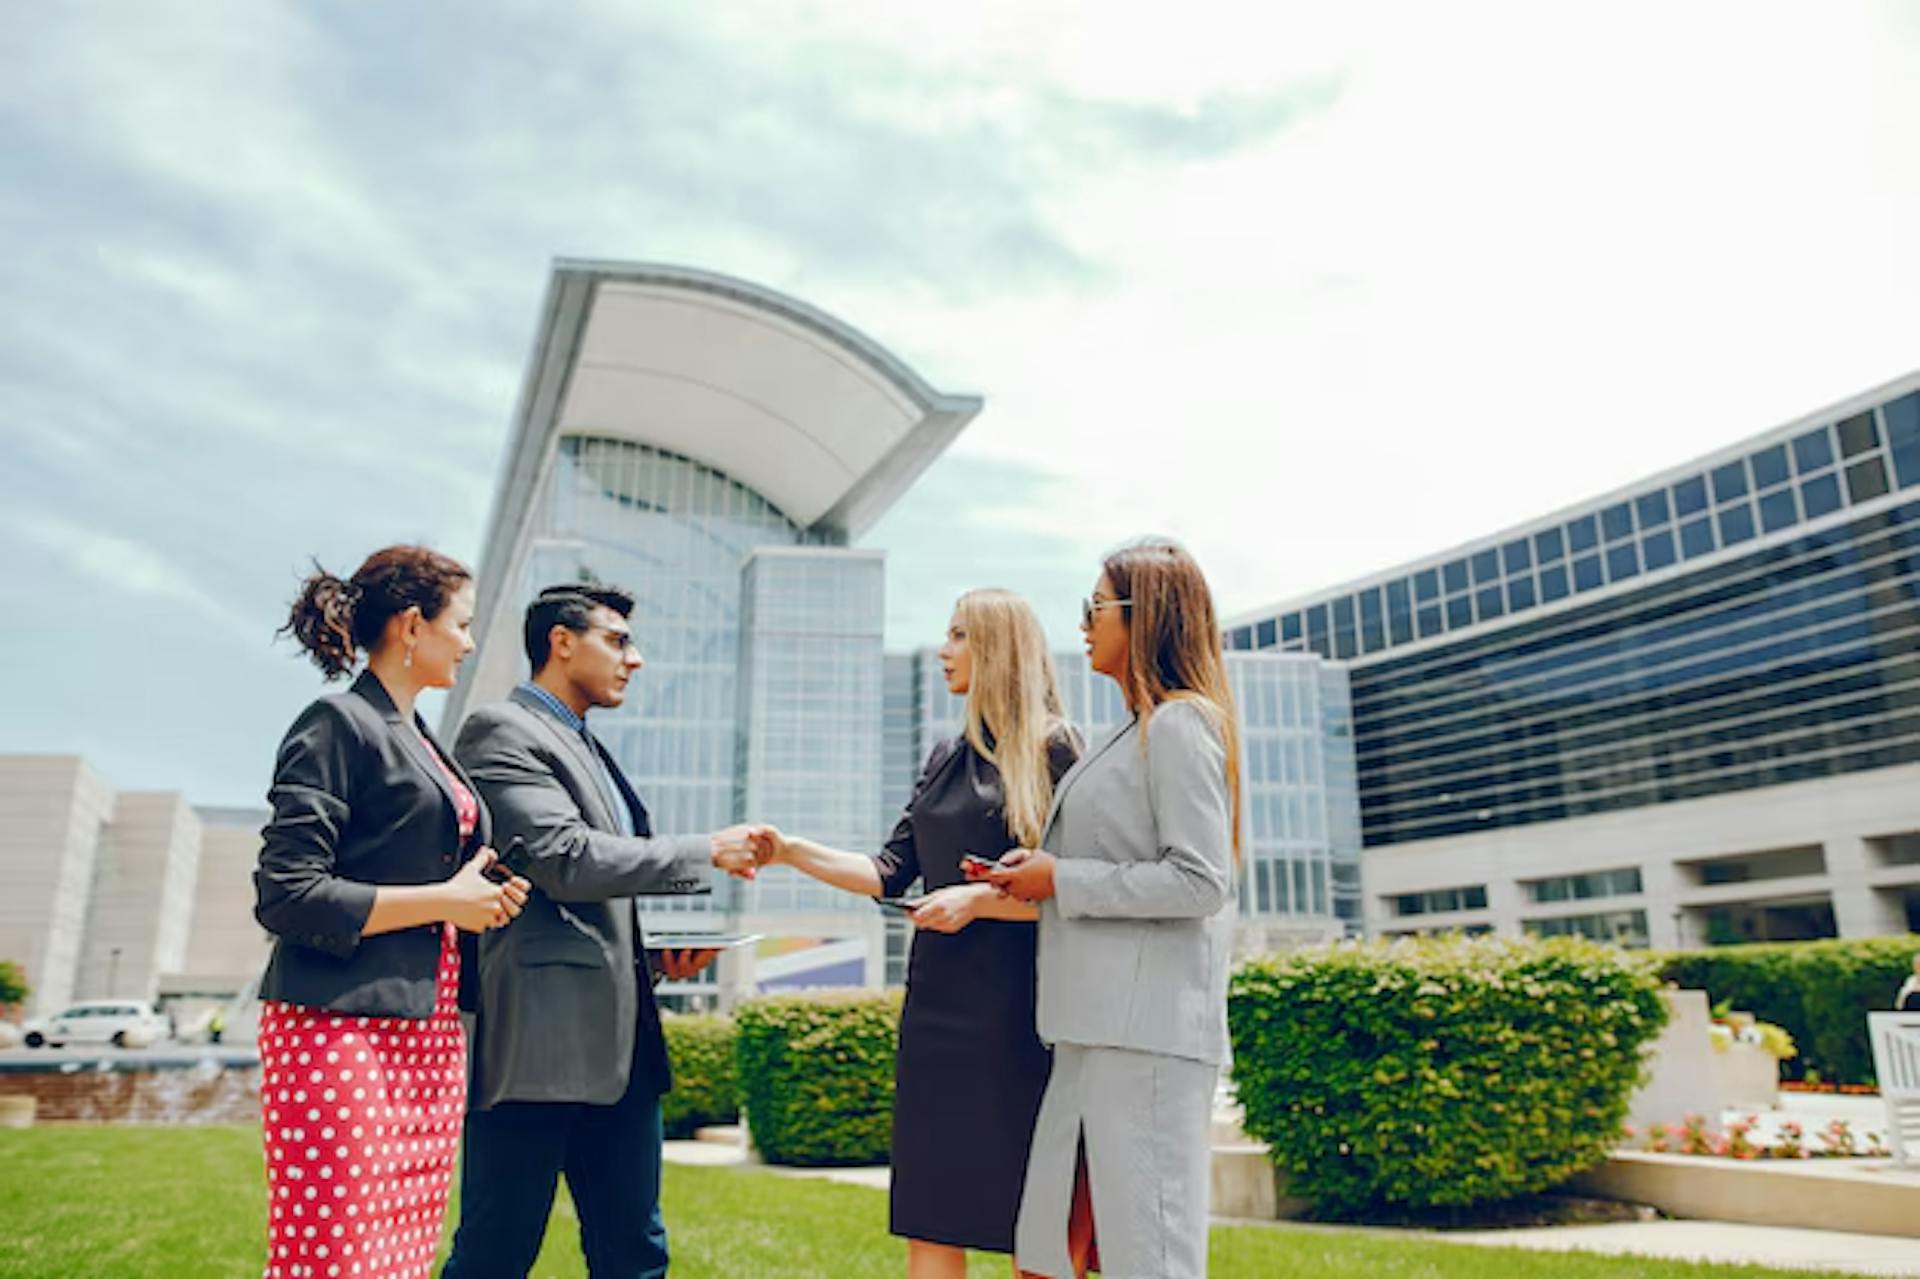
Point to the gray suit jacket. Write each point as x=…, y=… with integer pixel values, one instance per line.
x=563, y=993
x=1136, y=941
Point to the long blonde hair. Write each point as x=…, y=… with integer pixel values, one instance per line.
x=1173, y=643
x=1013, y=704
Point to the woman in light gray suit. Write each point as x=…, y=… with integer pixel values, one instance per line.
x=1136, y=885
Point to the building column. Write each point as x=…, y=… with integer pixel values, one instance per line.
x=1858, y=910
x=1666, y=923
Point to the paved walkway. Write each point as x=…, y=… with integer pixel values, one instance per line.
x=1676, y=1240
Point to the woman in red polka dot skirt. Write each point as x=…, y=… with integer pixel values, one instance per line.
x=373, y=861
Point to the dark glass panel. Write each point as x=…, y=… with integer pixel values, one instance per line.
x=1903, y=437
x=1866, y=479
x=1820, y=495
x=1455, y=576
x=1553, y=583
x=1736, y=524
x=1492, y=603
x=1770, y=468
x=1657, y=550
x=1653, y=508
x=1370, y=604
x=1269, y=634
x=1459, y=612
x=1290, y=628
x=1430, y=621
x=1623, y=561
x=1690, y=496
x=1240, y=638
x=1696, y=538
x=1582, y=534
x=1857, y=434
x=1399, y=598
x=1519, y=593
x=1400, y=628
x=1813, y=450
x=1516, y=556
x=1586, y=573
x=1343, y=613
x=1486, y=566
x=1617, y=521
x=1426, y=585
x=1729, y=481
x=1777, y=510
x=1549, y=545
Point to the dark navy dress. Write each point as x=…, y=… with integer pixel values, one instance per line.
x=971, y=1068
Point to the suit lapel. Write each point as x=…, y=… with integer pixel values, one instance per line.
x=1080, y=766
x=573, y=745
x=412, y=736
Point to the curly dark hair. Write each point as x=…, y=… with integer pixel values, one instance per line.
x=335, y=619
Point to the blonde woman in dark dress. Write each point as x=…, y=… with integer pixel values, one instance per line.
x=971, y=1068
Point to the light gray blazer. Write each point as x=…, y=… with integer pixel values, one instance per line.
x=1136, y=941
x=560, y=998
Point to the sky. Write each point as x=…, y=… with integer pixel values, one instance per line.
x=1318, y=289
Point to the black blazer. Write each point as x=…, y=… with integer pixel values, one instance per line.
x=357, y=802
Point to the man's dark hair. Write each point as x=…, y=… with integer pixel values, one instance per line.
x=571, y=606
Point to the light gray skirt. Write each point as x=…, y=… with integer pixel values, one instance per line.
x=1147, y=1122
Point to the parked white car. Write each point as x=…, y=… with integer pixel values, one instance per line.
x=124, y=1023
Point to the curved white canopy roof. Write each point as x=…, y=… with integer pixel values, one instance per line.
x=815, y=416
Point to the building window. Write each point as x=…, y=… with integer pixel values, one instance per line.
x=1441, y=900
x=1600, y=883
x=1621, y=927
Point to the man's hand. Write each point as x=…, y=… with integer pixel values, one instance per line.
x=733, y=851
x=1025, y=874
x=769, y=845
x=681, y=965
x=948, y=910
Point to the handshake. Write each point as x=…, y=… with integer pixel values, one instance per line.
x=741, y=850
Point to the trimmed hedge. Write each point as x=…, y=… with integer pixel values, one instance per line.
x=816, y=1076
x=706, y=1087
x=1439, y=1072
x=1819, y=991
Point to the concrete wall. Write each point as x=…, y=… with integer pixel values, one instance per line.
x=1842, y=815
x=142, y=901
x=52, y=812
x=226, y=940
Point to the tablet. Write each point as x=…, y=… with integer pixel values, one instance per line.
x=700, y=941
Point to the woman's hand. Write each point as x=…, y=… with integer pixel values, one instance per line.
x=1025, y=874
x=769, y=845
x=475, y=903
x=948, y=910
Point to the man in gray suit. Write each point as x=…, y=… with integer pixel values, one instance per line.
x=568, y=1061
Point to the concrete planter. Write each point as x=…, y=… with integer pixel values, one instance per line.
x=17, y=1111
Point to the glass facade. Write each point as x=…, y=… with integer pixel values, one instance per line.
x=1795, y=661
x=675, y=533
x=810, y=719
x=1300, y=820
x=1779, y=482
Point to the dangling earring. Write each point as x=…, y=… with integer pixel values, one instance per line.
x=408, y=663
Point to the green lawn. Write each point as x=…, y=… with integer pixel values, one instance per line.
x=186, y=1203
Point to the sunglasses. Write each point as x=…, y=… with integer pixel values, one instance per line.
x=1088, y=607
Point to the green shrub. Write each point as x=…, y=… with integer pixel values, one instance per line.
x=706, y=1088
x=1439, y=1072
x=1819, y=991
x=816, y=1076
x=13, y=983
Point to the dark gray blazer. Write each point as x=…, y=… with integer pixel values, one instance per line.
x=563, y=994
x=357, y=803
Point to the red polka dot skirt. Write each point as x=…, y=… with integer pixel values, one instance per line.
x=361, y=1117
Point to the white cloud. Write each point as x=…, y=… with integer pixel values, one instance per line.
x=123, y=566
